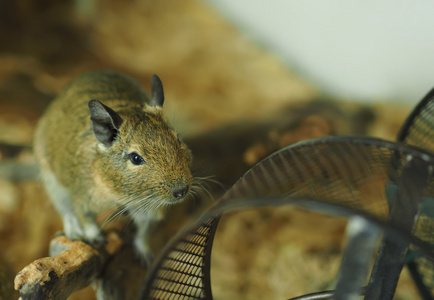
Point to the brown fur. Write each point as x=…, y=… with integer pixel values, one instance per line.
x=85, y=177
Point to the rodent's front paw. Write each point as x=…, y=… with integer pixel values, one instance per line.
x=100, y=240
x=72, y=227
x=90, y=233
x=143, y=253
x=93, y=235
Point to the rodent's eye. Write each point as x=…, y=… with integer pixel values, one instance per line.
x=179, y=140
x=136, y=159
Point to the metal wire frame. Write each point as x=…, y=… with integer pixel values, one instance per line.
x=329, y=175
x=182, y=270
x=418, y=130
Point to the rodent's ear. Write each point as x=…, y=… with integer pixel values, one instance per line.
x=157, y=91
x=105, y=122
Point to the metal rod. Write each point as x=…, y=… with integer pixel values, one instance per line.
x=362, y=242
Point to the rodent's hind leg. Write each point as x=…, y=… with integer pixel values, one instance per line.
x=144, y=224
x=75, y=226
x=61, y=200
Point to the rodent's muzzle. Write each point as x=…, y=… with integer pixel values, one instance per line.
x=180, y=192
x=177, y=190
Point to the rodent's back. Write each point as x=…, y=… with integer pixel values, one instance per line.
x=110, y=87
x=64, y=135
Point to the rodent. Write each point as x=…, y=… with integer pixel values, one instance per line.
x=104, y=143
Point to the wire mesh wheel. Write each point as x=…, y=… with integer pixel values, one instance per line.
x=387, y=184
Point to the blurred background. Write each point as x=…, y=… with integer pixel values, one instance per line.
x=370, y=51
x=242, y=79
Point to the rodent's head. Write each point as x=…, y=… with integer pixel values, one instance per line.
x=140, y=157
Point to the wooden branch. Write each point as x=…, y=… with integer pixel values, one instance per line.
x=111, y=267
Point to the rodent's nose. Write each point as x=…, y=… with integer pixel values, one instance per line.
x=179, y=193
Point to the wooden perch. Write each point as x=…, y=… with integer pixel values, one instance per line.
x=111, y=267
x=59, y=276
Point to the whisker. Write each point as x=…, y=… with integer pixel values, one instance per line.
x=114, y=216
x=210, y=179
x=145, y=205
x=133, y=207
x=200, y=187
